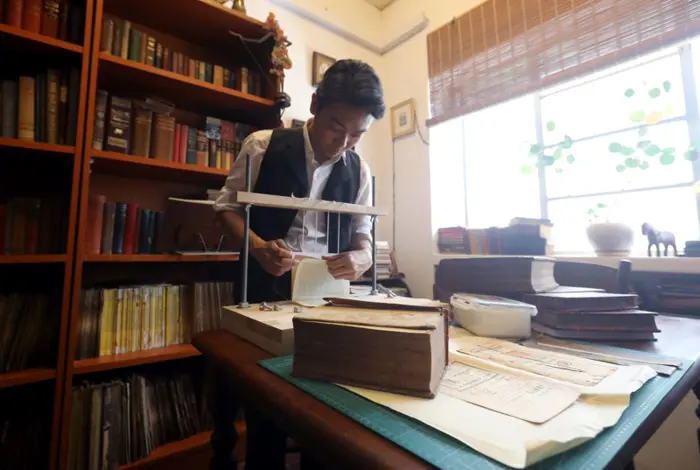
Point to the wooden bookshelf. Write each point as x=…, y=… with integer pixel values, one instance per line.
x=160, y=258
x=199, y=29
x=27, y=376
x=149, y=168
x=32, y=259
x=36, y=40
x=120, y=361
x=61, y=177
x=30, y=145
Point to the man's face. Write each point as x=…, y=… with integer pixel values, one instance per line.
x=338, y=127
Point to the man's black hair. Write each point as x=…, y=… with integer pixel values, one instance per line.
x=352, y=82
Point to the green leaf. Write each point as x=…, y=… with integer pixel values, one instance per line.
x=652, y=150
x=654, y=93
x=667, y=159
x=559, y=170
x=691, y=155
x=570, y=158
x=632, y=162
x=669, y=150
x=643, y=131
x=667, y=86
x=535, y=149
x=525, y=169
x=644, y=165
x=643, y=144
x=567, y=143
x=627, y=151
x=557, y=153
x=638, y=116
x=600, y=205
x=629, y=93
x=550, y=126
x=545, y=160
x=620, y=168
x=615, y=147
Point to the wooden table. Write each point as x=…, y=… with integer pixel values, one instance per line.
x=340, y=442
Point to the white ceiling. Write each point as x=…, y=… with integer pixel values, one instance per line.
x=380, y=4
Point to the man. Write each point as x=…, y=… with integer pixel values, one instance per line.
x=317, y=162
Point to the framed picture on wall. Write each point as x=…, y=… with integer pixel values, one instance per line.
x=403, y=118
x=320, y=64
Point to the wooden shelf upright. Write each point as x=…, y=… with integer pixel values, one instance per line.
x=199, y=29
x=33, y=168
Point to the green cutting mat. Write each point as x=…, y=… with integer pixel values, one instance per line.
x=446, y=452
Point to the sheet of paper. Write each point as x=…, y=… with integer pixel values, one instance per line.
x=311, y=282
x=407, y=319
x=563, y=367
x=536, y=401
x=382, y=301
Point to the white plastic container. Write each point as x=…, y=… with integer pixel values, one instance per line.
x=495, y=317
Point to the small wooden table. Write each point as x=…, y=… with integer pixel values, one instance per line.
x=340, y=442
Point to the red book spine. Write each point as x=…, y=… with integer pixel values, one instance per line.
x=95, y=214
x=31, y=19
x=176, y=143
x=182, y=145
x=13, y=15
x=129, y=247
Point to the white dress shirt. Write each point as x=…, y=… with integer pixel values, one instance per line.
x=308, y=232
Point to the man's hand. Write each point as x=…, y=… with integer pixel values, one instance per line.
x=350, y=265
x=274, y=256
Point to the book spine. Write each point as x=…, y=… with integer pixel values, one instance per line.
x=135, y=45
x=119, y=225
x=163, y=137
x=62, y=107
x=141, y=141
x=100, y=115
x=145, y=230
x=96, y=211
x=192, y=146
x=31, y=18
x=26, y=108
x=49, y=22
x=118, y=125
x=52, y=92
x=126, y=34
x=72, y=113
x=13, y=13
x=107, y=228
x=107, y=39
x=130, y=228
x=10, y=102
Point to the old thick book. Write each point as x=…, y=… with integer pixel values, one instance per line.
x=623, y=320
x=582, y=301
x=271, y=330
x=398, y=351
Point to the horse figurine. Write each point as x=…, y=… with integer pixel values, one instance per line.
x=656, y=237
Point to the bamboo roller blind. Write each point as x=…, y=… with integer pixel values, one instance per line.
x=506, y=48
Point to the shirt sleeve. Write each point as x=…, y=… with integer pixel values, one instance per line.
x=363, y=223
x=254, y=146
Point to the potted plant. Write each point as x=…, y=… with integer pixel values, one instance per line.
x=606, y=235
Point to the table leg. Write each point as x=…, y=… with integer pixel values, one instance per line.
x=224, y=436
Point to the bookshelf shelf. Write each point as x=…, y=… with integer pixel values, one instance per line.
x=31, y=38
x=119, y=361
x=188, y=92
x=31, y=259
x=202, y=22
x=159, y=258
x=35, y=146
x=120, y=164
x=172, y=449
x=27, y=376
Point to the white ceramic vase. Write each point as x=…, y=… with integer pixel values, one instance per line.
x=610, y=238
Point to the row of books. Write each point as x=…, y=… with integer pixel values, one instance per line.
x=123, y=39
x=669, y=292
x=136, y=318
x=54, y=18
x=118, y=228
x=32, y=226
x=146, y=129
x=122, y=421
x=519, y=238
x=41, y=108
x=27, y=331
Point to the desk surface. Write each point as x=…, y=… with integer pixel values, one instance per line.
x=342, y=441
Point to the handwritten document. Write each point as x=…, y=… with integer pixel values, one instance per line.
x=531, y=400
x=408, y=319
x=558, y=366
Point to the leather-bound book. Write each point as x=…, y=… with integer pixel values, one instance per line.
x=32, y=13
x=52, y=94
x=108, y=228
x=118, y=129
x=49, y=21
x=162, y=137
x=398, y=351
x=202, y=148
x=96, y=210
x=27, y=110
x=581, y=301
x=119, y=225
x=13, y=12
x=98, y=134
x=143, y=122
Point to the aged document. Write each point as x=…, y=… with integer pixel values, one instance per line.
x=564, y=367
x=531, y=400
x=311, y=282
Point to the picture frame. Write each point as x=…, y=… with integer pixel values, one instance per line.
x=319, y=65
x=403, y=118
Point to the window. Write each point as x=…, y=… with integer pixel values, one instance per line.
x=617, y=145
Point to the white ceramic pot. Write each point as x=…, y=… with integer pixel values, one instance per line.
x=610, y=238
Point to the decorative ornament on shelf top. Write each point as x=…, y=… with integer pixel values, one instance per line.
x=280, y=56
x=239, y=5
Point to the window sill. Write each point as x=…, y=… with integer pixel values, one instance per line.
x=639, y=263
